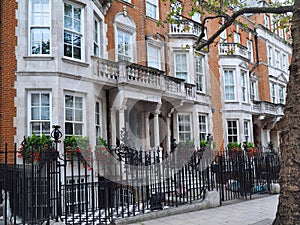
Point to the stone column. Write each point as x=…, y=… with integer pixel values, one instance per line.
x=168, y=120
x=156, y=129
x=121, y=122
x=147, y=131
x=113, y=127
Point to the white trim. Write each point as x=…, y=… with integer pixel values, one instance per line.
x=84, y=122
x=29, y=93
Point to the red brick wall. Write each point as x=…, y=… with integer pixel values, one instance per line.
x=8, y=65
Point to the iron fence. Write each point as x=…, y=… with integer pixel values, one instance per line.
x=122, y=182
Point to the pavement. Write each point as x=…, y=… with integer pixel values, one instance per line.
x=258, y=211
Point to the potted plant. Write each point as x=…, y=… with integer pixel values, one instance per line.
x=250, y=149
x=234, y=147
x=101, y=149
x=77, y=148
x=34, y=148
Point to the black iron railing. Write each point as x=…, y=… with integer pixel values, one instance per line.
x=124, y=183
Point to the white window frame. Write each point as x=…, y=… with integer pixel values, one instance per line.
x=235, y=135
x=122, y=53
x=273, y=92
x=154, y=61
x=228, y=85
x=270, y=55
x=247, y=130
x=244, y=86
x=267, y=21
x=98, y=118
x=40, y=120
x=236, y=37
x=200, y=73
x=73, y=32
x=250, y=49
x=184, y=124
x=203, y=126
x=179, y=66
x=254, y=89
x=284, y=62
x=277, y=59
x=281, y=94
x=97, y=37
x=42, y=25
x=152, y=9
x=74, y=121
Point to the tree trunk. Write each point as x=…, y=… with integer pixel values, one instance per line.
x=288, y=212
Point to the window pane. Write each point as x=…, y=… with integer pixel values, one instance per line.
x=35, y=113
x=69, y=101
x=78, y=129
x=45, y=113
x=69, y=114
x=78, y=115
x=69, y=128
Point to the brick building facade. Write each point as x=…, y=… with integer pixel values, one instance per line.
x=108, y=66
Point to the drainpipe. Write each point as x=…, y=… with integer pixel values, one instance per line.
x=256, y=55
x=107, y=117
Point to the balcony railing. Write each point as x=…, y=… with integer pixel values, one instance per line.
x=185, y=26
x=114, y=73
x=267, y=108
x=234, y=49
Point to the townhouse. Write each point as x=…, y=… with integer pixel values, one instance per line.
x=99, y=67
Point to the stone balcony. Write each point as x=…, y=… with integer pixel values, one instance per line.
x=113, y=74
x=267, y=108
x=185, y=27
x=234, y=49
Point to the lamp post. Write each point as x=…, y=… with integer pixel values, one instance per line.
x=56, y=134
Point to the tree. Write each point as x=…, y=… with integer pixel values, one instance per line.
x=289, y=201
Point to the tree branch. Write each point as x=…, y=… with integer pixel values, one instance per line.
x=233, y=17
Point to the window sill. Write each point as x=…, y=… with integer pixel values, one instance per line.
x=152, y=19
x=38, y=58
x=74, y=62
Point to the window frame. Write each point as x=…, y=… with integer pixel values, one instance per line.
x=98, y=118
x=236, y=37
x=247, y=130
x=74, y=121
x=233, y=135
x=121, y=56
x=254, y=89
x=180, y=69
x=200, y=76
x=73, y=32
x=32, y=26
x=30, y=120
x=184, y=123
x=273, y=92
x=229, y=85
x=97, y=37
x=150, y=58
x=244, y=86
x=281, y=94
x=155, y=5
x=270, y=55
x=201, y=124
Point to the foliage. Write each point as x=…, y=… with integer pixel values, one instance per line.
x=33, y=147
x=101, y=149
x=77, y=148
x=234, y=147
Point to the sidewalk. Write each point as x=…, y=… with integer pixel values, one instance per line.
x=260, y=211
